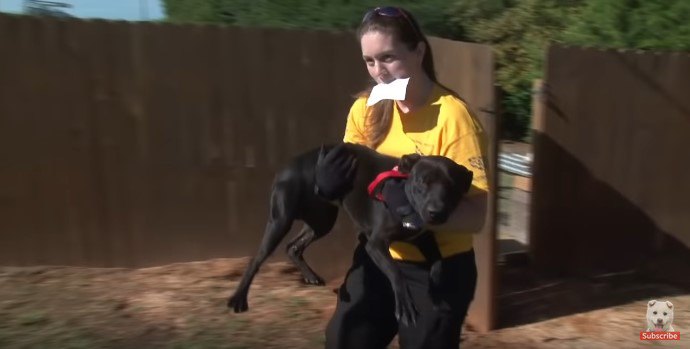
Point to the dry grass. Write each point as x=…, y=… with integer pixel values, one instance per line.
x=183, y=306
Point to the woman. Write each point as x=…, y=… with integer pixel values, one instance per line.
x=431, y=121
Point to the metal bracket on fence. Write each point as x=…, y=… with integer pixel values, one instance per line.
x=516, y=163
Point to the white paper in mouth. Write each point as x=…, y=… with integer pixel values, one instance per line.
x=394, y=90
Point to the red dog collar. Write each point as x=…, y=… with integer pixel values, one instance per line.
x=394, y=173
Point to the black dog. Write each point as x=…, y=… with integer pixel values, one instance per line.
x=435, y=186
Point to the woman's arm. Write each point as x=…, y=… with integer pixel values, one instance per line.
x=470, y=215
x=469, y=150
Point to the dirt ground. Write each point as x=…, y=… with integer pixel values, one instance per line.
x=183, y=306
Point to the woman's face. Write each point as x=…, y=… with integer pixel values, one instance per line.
x=388, y=59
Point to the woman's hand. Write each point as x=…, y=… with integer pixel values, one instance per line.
x=335, y=173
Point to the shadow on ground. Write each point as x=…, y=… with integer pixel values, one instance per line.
x=526, y=296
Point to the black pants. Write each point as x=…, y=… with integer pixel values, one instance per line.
x=364, y=317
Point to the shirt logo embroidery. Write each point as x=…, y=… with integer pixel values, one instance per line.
x=477, y=162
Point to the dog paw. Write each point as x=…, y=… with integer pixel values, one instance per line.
x=314, y=280
x=405, y=310
x=238, y=303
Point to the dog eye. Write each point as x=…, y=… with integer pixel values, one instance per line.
x=665, y=313
x=655, y=313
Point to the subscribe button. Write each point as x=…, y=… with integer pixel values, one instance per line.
x=660, y=336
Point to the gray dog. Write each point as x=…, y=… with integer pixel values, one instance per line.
x=435, y=186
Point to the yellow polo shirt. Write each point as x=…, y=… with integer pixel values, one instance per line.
x=444, y=127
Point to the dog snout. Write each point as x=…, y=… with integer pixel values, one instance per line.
x=661, y=321
x=434, y=212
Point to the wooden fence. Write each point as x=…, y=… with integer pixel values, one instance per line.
x=138, y=144
x=611, y=180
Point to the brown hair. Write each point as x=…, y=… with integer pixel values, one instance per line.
x=405, y=29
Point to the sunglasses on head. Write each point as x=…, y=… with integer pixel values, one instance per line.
x=387, y=11
x=391, y=11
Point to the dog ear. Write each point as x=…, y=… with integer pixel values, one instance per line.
x=464, y=178
x=651, y=303
x=407, y=161
x=670, y=305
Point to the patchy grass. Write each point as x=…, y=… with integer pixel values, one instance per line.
x=34, y=318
